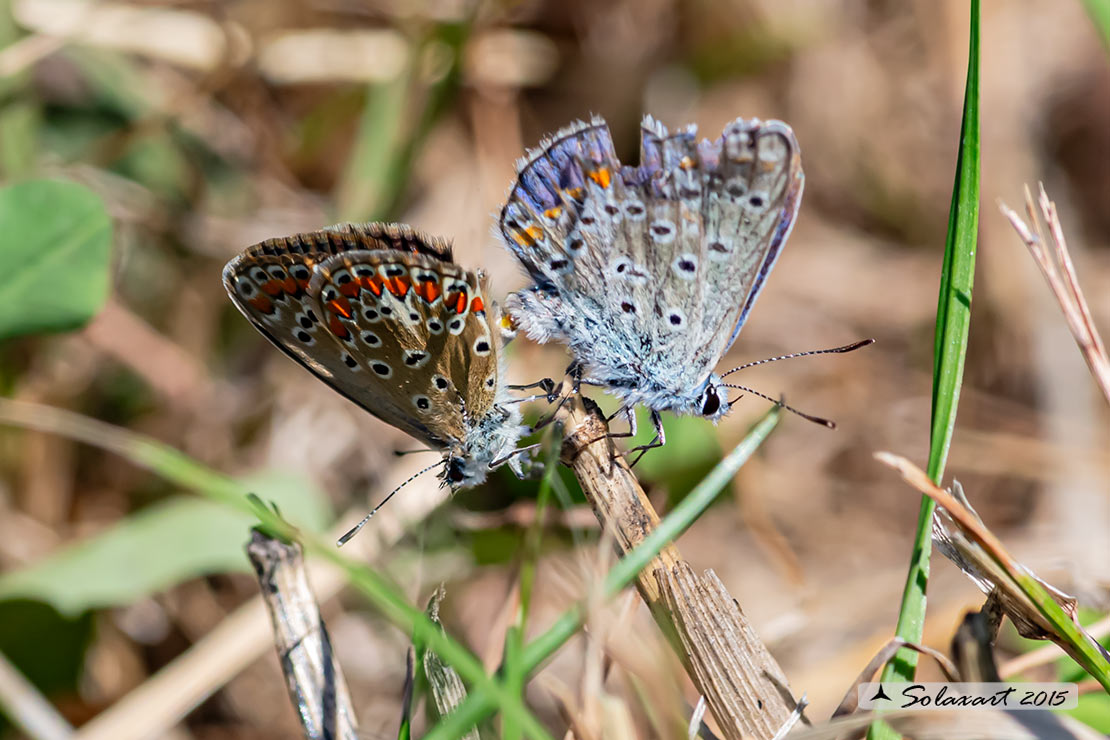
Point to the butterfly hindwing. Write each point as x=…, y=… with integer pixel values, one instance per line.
x=379, y=313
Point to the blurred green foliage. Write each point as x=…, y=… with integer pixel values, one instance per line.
x=54, y=264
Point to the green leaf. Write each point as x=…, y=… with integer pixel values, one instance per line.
x=57, y=241
x=158, y=547
x=1099, y=11
x=949, y=351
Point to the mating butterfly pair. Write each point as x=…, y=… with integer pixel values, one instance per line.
x=647, y=273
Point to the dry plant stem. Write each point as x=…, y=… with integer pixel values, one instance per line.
x=242, y=637
x=703, y=622
x=27, y=709
x=312, y=674
x=1047, y=653
x=1059, y=271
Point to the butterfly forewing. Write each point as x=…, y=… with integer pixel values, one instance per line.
x=649, y=272
x=381, y=314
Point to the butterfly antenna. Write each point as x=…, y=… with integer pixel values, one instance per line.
x=402, y=453
x=355, y=529
x=781, y=403
x=835, y=350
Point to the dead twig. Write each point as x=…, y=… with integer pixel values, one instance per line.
x=743, y=685
x=1057, y=267
x=312, y=674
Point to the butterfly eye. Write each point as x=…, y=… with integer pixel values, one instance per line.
x=711, y=402
x=454, y=474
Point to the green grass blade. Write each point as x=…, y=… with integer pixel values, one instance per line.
x=950, y=349
x=478, y=705
x=178, y=468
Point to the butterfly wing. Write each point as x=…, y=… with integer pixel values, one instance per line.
x=649, y=272
x=378, y=312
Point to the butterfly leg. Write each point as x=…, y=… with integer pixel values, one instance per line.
x=514, y=462
x=550, y=390
x=659, y=441
x=574, y=370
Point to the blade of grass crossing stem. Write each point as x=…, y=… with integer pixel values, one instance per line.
x=176, y=467
x=478, y=705
x=1099, y=11
x=950, y=348
x=512, y=665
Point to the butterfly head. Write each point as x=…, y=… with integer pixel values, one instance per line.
x=488, y=442
x=712, y=401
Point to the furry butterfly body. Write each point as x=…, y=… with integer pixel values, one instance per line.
x=383, y=315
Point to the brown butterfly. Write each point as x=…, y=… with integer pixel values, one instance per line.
x=384, y=316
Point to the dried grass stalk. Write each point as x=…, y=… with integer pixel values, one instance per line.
x=745, y=688
x=314, y=678
x=1057, y=267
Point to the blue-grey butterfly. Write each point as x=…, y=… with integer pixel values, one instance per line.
x=648, y=273
x=382, y=314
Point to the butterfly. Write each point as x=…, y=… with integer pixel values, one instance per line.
x=648, y=273
x=384, y=316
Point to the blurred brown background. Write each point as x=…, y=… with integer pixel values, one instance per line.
x=207, y=126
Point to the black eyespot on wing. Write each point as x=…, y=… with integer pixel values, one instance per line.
x=304, y=336
x=305, y=322
x=675, y=319
x=414, y=358
x=380, y=368
x=756, y=201
x=350, y=361
x=686, y=265
x=627, y=307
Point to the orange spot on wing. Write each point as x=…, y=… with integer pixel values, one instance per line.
x=289, y=285
x=337, y=327
x=601, y=176
x=457, y=301
x=529, y=236
x=686, y=163
x=272, y=288
x=398, y=286
x=553, y=213
x=262, y=304
x=341, y=307
x=428, y=290
x=476, y=305
x=575, y=193
x=373, y=284
x=350, y=289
